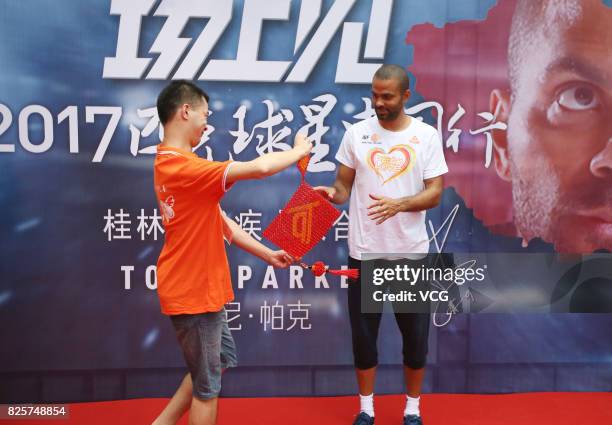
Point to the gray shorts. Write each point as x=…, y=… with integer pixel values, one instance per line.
x=208, y=348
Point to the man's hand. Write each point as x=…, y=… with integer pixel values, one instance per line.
x=383, y=208
x=302, y=145
x=326, y=191
x=279, y=259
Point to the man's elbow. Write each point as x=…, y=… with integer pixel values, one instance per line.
x=342, y=198
x=264, y=171
x=437, y=198
x=261, y=170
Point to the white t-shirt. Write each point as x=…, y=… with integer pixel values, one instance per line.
x=392, y=164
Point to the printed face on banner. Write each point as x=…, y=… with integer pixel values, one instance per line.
x=553, y=89
x=558, y=150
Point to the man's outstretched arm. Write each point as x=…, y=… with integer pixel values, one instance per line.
x=340, y=192
x=251, y=245
x=269, y=164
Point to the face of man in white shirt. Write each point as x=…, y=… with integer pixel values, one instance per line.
x=388, y=99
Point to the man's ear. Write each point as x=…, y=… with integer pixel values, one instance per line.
x=406, y=96
x=184, y=111
x=499, y=104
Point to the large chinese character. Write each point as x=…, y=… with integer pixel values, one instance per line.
x=250, y=223
x=492, y=125
x=117, y=225
x=149, y=224
x=151, y=125
x=341, y=226
x=367, y=112
x=272, y=140
x=299, y=313
x=315, y=129
x=233, y=314
x=453, y=138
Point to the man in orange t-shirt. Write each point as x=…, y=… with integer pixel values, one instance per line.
x=193, y=273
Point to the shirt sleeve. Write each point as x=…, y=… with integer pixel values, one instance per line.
x=345, y=154
x=200, y=176
x=436, y=164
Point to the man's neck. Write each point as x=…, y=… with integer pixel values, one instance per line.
x=402, y=122
x=176, y=142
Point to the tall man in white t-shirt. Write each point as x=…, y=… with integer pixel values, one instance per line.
x=391, y=167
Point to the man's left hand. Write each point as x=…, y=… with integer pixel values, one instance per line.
x=383, y=208
x=280, y=259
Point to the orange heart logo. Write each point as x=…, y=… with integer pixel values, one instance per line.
x=391, y=165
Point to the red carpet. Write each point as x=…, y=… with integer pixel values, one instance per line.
x=437, y=409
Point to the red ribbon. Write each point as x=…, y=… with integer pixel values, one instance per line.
x=318, y=268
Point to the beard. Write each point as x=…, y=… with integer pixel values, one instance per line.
x=534, y=203
x=387, y=114
x=543, y=209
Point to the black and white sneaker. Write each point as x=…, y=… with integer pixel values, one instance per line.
x=412, y=420
x=363, y=419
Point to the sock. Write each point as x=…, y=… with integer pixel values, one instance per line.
x=412, y=406
x=367, y=404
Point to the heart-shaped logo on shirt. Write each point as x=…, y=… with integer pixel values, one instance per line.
x=392, y=164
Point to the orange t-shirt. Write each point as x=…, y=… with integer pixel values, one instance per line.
x=192, y=271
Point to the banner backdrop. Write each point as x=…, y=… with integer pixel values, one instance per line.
x=522, y=110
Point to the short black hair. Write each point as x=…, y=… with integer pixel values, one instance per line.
x=176, y=94
x=393, y=72
x=534, y=22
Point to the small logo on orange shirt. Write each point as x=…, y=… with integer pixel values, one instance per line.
x=167, y=209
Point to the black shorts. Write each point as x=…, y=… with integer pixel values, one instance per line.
x=414, y=328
